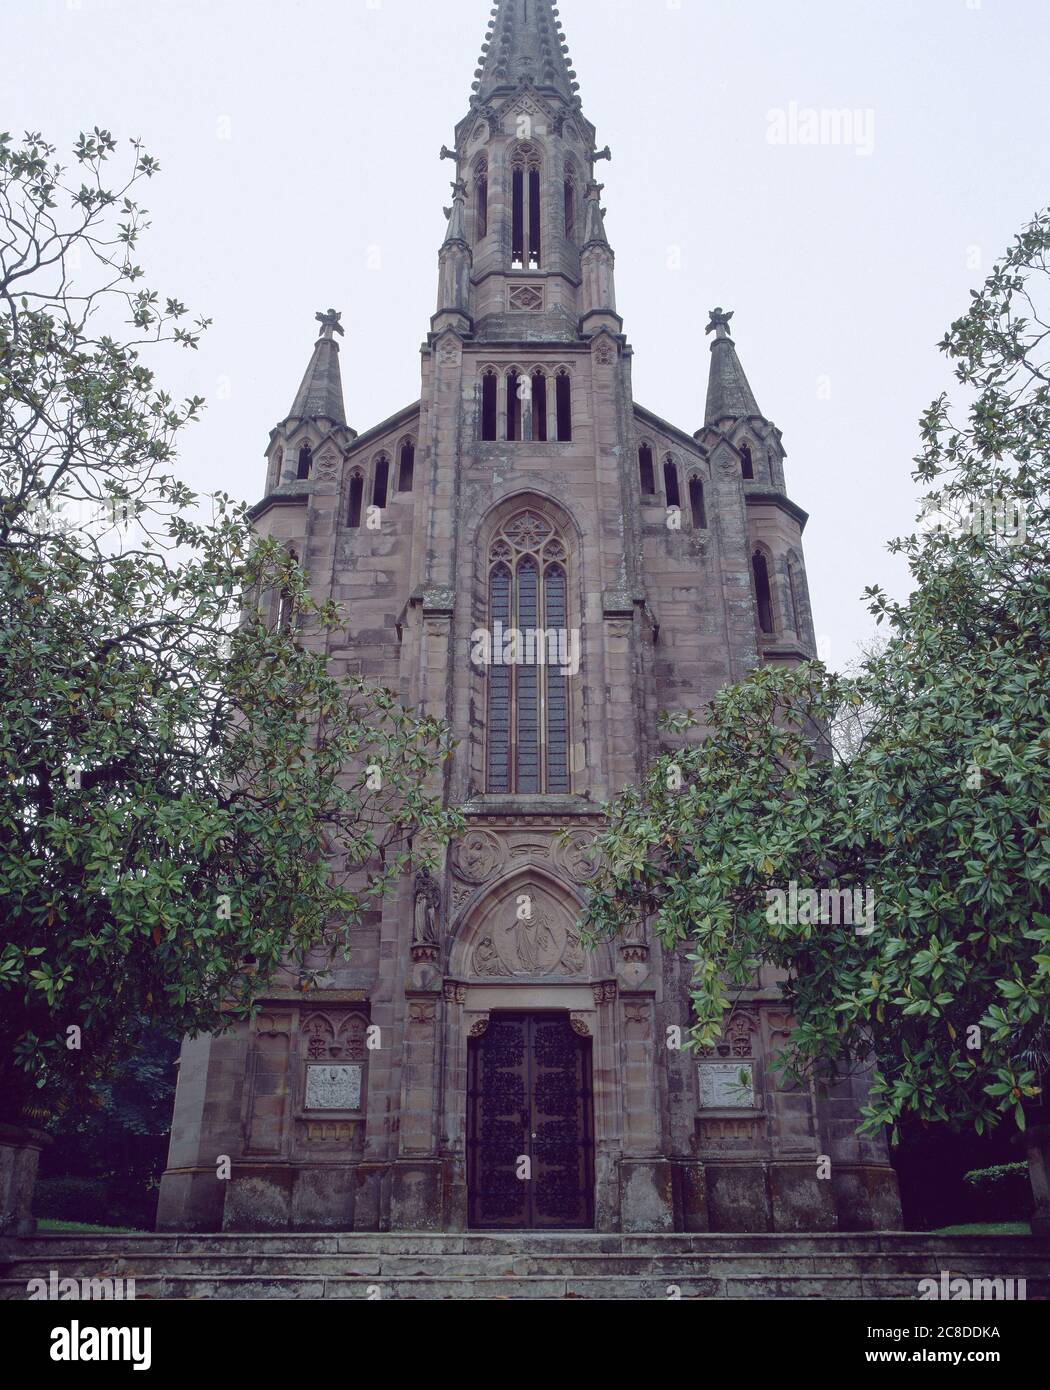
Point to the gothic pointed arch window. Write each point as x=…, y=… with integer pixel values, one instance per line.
x=305, y=463
x=381, y=481
x=747, y=462
x=671, y=489
x=489, y=405
x=528, y=723
x=526, y=206
x=795, y=591
x=515, y=402
x=563, y=401
x=357, y=493
x=763, y=592
x=286, y=604
x=481, y=199
x=570, y=203
x=539, y=406
x=696, y=503
x=646, y=471
x=406, y=465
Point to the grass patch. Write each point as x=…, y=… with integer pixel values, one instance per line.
x=45, y=1226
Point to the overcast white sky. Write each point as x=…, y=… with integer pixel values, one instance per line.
x=297, y=136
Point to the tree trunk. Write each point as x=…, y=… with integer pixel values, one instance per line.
x=1035, y=1141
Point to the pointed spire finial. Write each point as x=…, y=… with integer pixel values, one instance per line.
x=525, y=43
x=720, y=322
x=593, y=216
x=330, y=323
x=456, y=214
x=729, y=394
x=320, y=396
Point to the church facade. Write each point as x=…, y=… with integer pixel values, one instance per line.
x=530, y=554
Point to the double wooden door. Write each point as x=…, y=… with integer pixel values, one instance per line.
x=530, y=1125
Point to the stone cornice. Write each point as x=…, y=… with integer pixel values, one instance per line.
x=517, y=811
x=763, y=497
x=278, y=499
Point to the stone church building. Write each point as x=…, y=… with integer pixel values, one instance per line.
x=526, y=491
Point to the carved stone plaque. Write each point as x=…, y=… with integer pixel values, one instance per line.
x=333, y=1088
x=726, y=1085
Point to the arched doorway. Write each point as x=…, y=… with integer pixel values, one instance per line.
x=530, y=1124
x=532, y=1090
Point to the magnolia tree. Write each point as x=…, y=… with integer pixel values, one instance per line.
x=884, y=837
x=191, y=800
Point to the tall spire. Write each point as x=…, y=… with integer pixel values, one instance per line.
x=524, y=42
x=729, y=394
x=321, y=394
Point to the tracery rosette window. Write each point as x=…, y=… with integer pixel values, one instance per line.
x=533, y=655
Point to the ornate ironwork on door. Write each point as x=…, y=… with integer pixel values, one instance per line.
x=529, y=1097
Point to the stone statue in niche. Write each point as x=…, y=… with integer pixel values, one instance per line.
x=425, y=921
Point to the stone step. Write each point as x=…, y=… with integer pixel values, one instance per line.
x=529, y=1287
x=398, y=1265
x=515, y=1243
x=407, y=1265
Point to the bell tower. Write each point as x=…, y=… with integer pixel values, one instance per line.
x=525, y=217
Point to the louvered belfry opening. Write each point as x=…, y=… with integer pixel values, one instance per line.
x=528, y=725
x=526, y=208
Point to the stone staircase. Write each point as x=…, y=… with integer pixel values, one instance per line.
x=531, y=1266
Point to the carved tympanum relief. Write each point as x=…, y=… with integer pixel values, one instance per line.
x=544, y=942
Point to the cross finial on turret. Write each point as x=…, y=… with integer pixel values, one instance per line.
x=720, y=322
x=330, y=324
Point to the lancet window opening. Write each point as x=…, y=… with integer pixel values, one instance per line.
x=481, y=200
x=697, y=507
x=646, y=471
x=763, y=593
x=356, y=499
x=406, y=466
x=526, y=207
